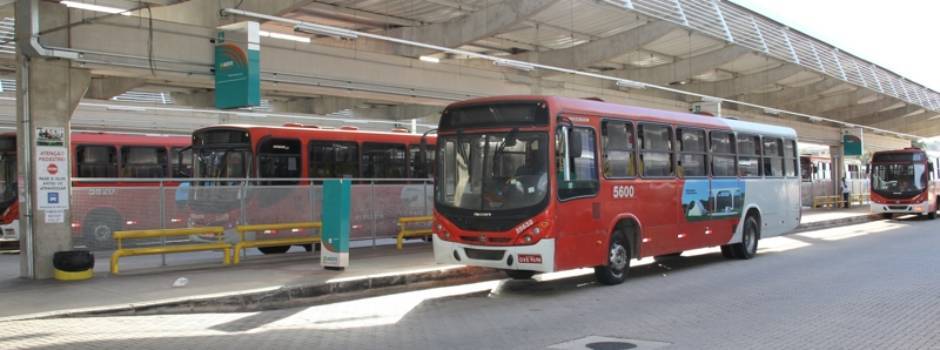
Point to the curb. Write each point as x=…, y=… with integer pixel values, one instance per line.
x=286, y=296
x=858, y=219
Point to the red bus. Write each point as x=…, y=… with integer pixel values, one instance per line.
x=904, y=181
x=289, y=157
x=533, y=184
x=99, y=207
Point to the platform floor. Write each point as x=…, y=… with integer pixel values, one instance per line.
x=143, y=279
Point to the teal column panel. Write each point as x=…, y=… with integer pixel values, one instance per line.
x=336, y=224
x=237, y=66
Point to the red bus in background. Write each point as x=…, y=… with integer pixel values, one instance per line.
x=285, y=155
x=533, y=184
x=905, y=181
x=99, y=208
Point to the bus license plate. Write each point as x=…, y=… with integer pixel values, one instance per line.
x=530, y=259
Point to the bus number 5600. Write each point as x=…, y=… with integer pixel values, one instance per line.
x=623, y=192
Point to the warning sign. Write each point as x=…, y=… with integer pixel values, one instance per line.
x=52, y=180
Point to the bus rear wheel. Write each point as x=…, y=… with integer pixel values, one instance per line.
x=747, y=248
x=932, y=215
x=519, y=274
x=274, y=250
x=618, y=261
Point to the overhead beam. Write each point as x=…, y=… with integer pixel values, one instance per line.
x=863, y=109
x=684, y=69
x=890, y=119
x=745, y=83
x=596, y=51
x=828, y=103
x=487, y=22
x=105, y=88
x=205, y=13
x=927, y=127
x=793, y=94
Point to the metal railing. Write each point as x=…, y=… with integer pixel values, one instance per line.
x=738, y=25
x=101, y=206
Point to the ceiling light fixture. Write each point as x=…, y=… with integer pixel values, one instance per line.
x=630, y=84
x=429, y=59
x=316, y=29
x=514, y=65
x=282, y=36
x=95, y=8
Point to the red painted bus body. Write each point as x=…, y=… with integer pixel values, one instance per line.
x=304, y=153
x=99, y=208
x=905, y=181
x=656, y=205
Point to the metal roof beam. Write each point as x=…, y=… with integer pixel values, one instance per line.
x=487, y=22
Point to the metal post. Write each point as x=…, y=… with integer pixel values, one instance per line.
x=372, y=208
x=162, y=221
x=25, y=137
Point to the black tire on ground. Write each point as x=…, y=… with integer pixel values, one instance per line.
x=274, y=250
x=73, y=260
x=747, y=248
x=667, y=257
x=932, y=215
x=727, y=252
x=519, y=274
x=312, y=247
x=98, y=228
x=617, y=268
x=887, y=216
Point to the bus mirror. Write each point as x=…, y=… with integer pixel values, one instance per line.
x=574, y=144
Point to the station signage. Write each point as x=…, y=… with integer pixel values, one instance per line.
x=237, y=66
x=52, y=175
x=852, y=145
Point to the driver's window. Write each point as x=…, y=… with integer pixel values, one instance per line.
x=581, y=176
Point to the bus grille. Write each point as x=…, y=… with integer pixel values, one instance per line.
x=481, y=254
x=899, y=207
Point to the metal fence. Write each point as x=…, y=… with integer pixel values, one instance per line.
x=102, y=206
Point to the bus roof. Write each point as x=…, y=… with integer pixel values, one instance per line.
x=607, y=109
x=90, y=137
x=310, y=130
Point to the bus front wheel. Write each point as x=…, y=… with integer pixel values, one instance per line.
x=274, y=250
x=887, y=216
x=618, y=261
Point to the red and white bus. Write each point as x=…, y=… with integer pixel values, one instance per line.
x=99, y=208
x=538, y=184
x=293, y=154
x=904, y=181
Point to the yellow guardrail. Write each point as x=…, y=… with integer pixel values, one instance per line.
x=405, y=232
x=242, y=229
x=859, y=198
x=217, y=231
x=833, y=201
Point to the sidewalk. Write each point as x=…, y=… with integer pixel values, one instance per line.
x=260, y=281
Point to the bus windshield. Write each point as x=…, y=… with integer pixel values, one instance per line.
x=221, y=163
x=899, y=179
x=492, y=171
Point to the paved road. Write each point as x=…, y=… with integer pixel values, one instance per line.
x=875, y=285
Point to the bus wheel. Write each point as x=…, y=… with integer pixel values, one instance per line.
x=887, y=216
x=312, y=247
x=98, y=229
x=519, y=274
x=727, y=252
x=274, y=250
x=747, y=248
x=618, y=261
x=932, y=215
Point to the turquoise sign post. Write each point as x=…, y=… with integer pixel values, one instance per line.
x=334, y=237
x=237, y=66
x=852, y=145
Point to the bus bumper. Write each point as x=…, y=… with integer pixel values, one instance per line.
x=918, y=208
x=10, y=232
x=537, y=257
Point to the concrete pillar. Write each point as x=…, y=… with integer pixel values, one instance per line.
x=837, y=168
x=48, y=91
x=52, y=93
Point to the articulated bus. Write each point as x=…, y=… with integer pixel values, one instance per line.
x=390, y=171
x=905, y=182
x=99, y=208
x=533, y=184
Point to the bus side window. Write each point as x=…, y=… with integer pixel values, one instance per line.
x=279, y=158
x=619, y=160
x=144, y=162
x=415, y=168
x=789, y=158
x=656, y=150
x=186, y=168
x=749, y=155
x=383, y=160
x=582, y=165
x=329, y=159
x=722, y=150
x=97, y=161
x=693, y=152
x=773, y=157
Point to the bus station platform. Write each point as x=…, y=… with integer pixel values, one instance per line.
x=261, y=282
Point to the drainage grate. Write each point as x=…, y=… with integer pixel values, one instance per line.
x=608, y=343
